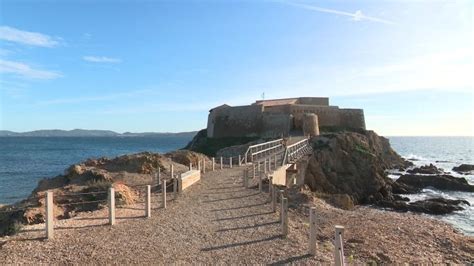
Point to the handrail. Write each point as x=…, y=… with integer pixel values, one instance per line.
x=297, y=143
x=294, y=149
x=271, y=148
x=246, y=154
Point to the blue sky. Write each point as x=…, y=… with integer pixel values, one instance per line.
x=161, y=65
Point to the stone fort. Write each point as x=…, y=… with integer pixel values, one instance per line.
x=281, y=117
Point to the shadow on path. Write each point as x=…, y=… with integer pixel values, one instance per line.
x=224, y=192
x=241, y=217
x=292, y=259
x=242, y=243
x=247, y=227
x=80, y=227
x=239, y=197
x=241, y=207
x=217, y=188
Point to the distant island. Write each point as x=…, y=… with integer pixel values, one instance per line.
x=91, y=133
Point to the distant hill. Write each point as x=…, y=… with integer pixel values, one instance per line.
x=90, y=133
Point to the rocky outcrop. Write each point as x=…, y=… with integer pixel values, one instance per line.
x=210, y=146
x=415, y=183
x=185, y=157
x=426, y=170
x=434, y=206
x=354, y=164
x=464, y=168
x=143, y=163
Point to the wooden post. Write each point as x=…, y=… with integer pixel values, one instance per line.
x=254, y=171
x=230, y=162
x=163, y=192
x=199, y=165
x=270, y=183
x=265, y=166
x=49, y=215
x=240, y=158
x=111, y=206
x=258, y=166
x=284, y=217
x=338, y=246
x=281, y=195
x=148, y=202
x=213, y=164
x=203, y=166
x=158, y=175
x=190, y=166
x=175, y=187
x=275, y=161
x=172, y=171
x=221, y=163
x=312, y=231
x=246, y=177
x=245, y=158
x=274, y=198
x=269, y=164
x=260, y=182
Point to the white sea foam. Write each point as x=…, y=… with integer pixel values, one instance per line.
x=445, y=153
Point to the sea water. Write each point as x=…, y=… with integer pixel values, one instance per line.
x=26, y=160
x=446, y=153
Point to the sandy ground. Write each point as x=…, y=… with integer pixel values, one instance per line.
x=219, y=221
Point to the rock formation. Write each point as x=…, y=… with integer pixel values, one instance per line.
x=355, y=164
x=464, y=168
x=415, y=183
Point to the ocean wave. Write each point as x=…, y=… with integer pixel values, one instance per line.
x=415, y=157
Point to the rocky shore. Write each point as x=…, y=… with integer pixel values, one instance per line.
x=351, y=168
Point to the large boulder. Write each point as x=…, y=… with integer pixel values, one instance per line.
x=434, y=206
x=441, y=182
x=464, y=168
x=426, y=170
x=354, y=164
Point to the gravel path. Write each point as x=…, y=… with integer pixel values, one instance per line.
x=215, y=221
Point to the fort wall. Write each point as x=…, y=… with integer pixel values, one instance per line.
x=238, y=121
x=276, y=117
x=323, y=101
x=276, y=125
x=352, y=118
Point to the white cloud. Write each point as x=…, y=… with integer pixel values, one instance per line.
x=26, y=71
x=356, y=16
x=101, y=59
x=26, y=37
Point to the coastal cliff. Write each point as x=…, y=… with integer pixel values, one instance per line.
x=350, y=168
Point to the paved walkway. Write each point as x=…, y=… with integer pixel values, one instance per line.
x=215, y=221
